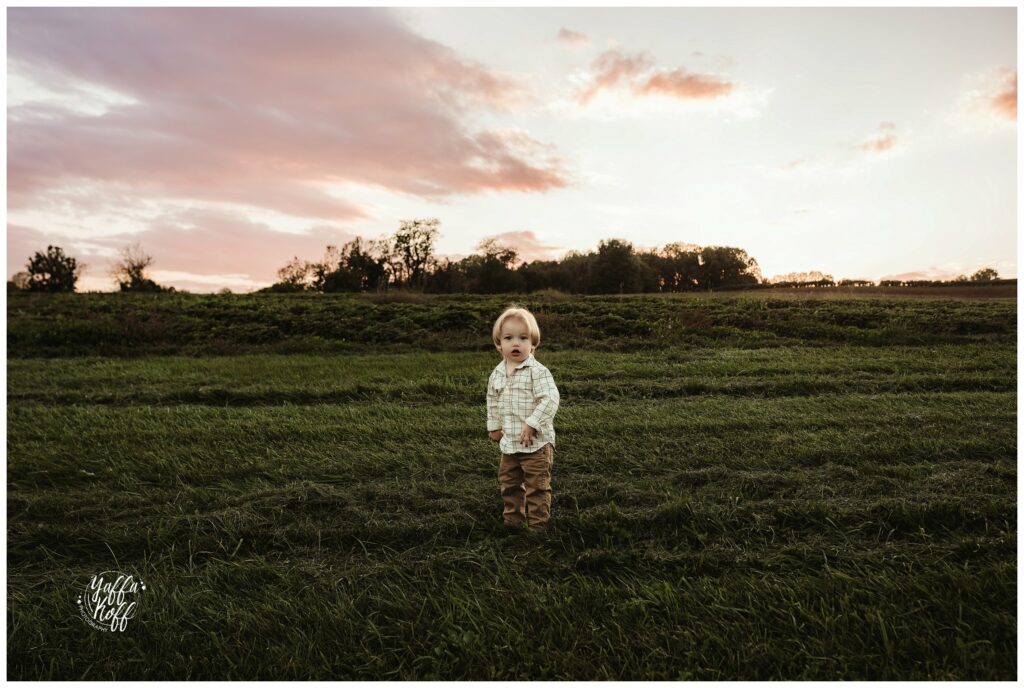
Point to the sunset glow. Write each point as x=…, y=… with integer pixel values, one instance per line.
x=860, y=142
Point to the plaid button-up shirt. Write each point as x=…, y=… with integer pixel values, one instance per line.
x=527, y=396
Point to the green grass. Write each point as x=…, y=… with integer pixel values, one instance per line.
x=812, y=511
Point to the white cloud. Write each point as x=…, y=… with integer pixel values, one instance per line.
x=75, y=96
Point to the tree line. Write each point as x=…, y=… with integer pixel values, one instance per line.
x=407, y=260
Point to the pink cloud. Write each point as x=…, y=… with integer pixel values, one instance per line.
x=677, y=83
x=1005, y=101
x=261, y=106
x=881, y=142
x=612, y=67
x=573, y=38
x=528, y=246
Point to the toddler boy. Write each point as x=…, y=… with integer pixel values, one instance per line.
x=521, y=403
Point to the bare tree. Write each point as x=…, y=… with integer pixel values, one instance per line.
x=297, y=273
x=129, y=273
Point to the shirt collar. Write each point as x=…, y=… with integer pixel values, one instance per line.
x=529, y=360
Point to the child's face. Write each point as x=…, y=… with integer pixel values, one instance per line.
x=515, y=340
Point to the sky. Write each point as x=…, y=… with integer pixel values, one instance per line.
x=870, y=143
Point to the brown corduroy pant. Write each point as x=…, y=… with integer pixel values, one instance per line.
x=525, y=481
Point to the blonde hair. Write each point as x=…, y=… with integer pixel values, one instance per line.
x=524, y=315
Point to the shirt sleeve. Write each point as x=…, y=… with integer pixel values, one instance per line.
x=493, y=419
x=546, y=395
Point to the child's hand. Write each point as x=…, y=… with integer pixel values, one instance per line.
x=496, y=435
x=527, y=435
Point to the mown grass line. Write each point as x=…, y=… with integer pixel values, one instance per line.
x=197, y=443
x=459, y=378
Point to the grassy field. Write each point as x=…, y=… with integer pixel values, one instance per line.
x=744, y=488
x=74, y=325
